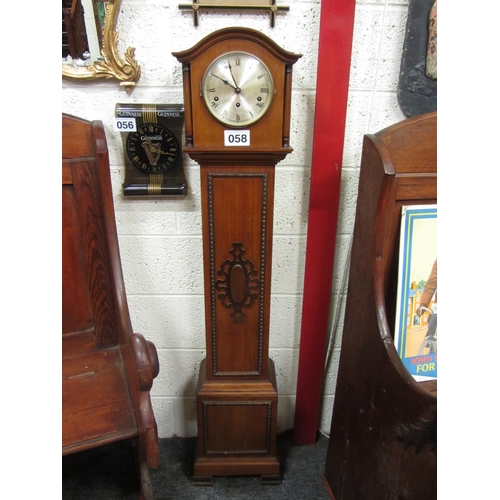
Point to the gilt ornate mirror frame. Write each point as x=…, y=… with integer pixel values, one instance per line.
x=126, y=70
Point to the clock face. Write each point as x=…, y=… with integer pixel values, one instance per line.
x=152, y=148
x=238, y=89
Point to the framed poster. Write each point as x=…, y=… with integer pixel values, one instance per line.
x=415, y=335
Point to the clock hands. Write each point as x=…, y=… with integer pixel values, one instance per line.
x=237, y=89
x=153, y=149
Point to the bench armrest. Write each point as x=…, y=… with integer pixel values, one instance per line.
x=147, y=360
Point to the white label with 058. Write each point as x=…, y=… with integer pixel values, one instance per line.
x=236, y=137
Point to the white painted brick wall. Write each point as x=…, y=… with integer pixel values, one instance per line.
x=160, y=240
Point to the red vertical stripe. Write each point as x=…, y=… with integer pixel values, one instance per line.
x=334, y=59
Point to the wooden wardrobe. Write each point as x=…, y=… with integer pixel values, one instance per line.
x=383, y=438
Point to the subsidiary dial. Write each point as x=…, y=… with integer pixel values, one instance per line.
x=238, y=89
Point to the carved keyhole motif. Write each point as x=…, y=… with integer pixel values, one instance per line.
x=239, y=285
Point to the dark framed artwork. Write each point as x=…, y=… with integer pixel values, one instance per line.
x=417, y=89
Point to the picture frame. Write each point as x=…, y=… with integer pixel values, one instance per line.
x=415, y=336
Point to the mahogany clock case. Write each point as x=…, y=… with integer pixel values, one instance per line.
x=237, y=394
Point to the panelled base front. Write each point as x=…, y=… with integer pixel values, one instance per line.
x=236, y=429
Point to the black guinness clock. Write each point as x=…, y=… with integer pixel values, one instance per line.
x=152, y=148
x=151, y=136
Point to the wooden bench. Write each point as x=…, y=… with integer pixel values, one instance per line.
x=107, y=370
x=383, y=439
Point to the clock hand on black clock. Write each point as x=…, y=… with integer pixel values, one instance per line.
x=237, y=89
x=154, y=149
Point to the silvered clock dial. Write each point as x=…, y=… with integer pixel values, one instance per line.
x=237, y=88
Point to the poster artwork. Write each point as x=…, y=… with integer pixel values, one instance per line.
x=416, y=313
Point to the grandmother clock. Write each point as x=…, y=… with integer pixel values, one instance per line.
x=237, y=95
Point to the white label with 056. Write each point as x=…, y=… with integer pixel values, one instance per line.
x=125, y=125
x=236, y=137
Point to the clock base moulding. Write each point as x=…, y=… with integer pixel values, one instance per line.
x=237, y=429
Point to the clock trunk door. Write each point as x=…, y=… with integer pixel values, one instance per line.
x=237, y=205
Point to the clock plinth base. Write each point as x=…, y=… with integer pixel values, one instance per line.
x=236, y=429
x=205, y=470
